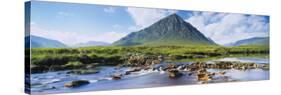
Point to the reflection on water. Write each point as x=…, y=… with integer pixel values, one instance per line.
x=246, y=75
x=53, y=82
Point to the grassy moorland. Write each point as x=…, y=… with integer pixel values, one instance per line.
x=69, y=58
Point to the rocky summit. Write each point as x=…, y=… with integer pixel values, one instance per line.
x=171, y=30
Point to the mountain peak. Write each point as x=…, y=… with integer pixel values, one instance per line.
x=174, y=15
x=172, y=18
x=167, y=31
x=41, y=42
x=264, y=41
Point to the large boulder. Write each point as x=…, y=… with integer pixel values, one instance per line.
x=174, y=73
x=116, y=76
x=76, y=83
x=203, y=77
x=133, y=70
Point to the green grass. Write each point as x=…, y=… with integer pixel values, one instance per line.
x=116, y=55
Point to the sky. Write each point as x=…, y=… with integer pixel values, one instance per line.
x=79, y=23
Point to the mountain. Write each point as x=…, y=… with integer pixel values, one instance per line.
x=40, y=42
x=92, y=43
x=171, y=30
x=252, y=41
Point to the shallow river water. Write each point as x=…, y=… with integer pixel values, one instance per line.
x=53, y=82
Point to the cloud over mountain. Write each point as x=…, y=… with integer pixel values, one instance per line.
x=71, y=38
x=144, y=17
x=225, y=27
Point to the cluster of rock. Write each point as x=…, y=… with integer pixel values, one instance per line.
x=118, y=76
x=44, y=69
x=197, y=69
x=143, y=60
x=237, y=65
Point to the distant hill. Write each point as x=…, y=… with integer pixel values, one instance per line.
x=40, y=42
x=252, y=41
x=92, y=43
x=171, y=30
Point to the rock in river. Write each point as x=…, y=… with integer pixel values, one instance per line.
x=76, y=83
x=174, y=73
x=203, y=77
x=116, y=76
x=221, y=73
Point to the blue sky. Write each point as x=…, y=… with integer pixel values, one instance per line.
x=78, y=23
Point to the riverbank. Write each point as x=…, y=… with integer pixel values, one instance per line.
x=56, y=59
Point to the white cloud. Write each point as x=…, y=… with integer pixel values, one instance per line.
x=225, y=28
x=71, y=38
x=109, y=37
x=144, y=17
x=109, y=10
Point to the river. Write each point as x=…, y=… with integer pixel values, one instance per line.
x=53, y=82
